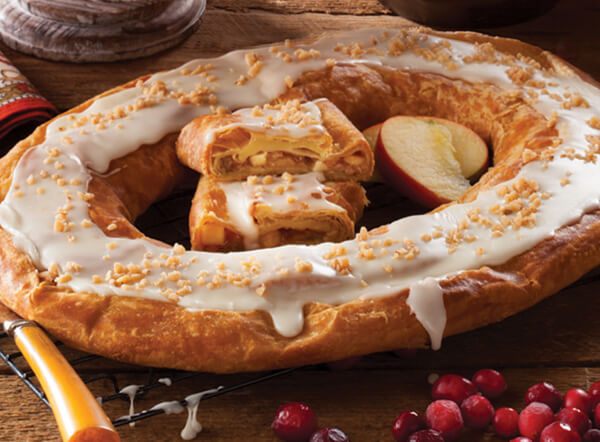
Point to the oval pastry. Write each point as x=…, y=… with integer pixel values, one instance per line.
x=72, y=260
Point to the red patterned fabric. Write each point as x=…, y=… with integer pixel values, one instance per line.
x=20, y=102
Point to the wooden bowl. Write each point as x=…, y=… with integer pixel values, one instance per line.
x=97, y=30
x=469, y=13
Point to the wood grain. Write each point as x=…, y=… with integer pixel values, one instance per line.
x=360, y=7
x=362, y=401
x=572, y=36
x=94, y=12
x=556, y=341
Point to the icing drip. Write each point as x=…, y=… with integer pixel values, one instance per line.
x=46, y=208
x=426, y=301
x=192, y=426
x=169, y=407
x=165, y=381
x=131, y=391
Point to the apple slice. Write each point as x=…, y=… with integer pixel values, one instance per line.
x=470, y=150
x=371, y=134
x=417, y=157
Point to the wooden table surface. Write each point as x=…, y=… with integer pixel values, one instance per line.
x=556, y=341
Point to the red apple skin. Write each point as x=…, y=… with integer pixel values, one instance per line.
x=402, y=182
x=445, y=122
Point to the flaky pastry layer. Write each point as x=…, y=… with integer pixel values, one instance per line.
x=211, y=145
x=271, y=214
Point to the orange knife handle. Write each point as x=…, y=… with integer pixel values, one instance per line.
x=79, y=416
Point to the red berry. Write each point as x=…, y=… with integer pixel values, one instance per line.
x=597, y=416
x=426, y=436
x=521, y=439
x=545, y=393
x=444, y=416
x=592, y=435
x=477, y=412
x=594, y=392
x=576, y=418
x=534, y=418
x=559, y=432
x=405, y=424
x=329, y=435
x=294, y=422
x=578, y=398
x=453, y=387
x=490, y=382
x=506, y=422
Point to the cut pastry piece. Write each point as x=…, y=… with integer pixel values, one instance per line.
x=291, y=137
x=271, y=211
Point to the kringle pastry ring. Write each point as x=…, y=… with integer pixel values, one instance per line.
x=72, y=261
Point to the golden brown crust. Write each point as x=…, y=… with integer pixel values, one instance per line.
x=151, y=332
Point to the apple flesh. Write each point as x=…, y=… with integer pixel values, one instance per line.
x=371, y=134
x=470, y=150
x=417, y=157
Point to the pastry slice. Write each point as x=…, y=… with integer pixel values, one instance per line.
x=271, y=211
x=291, y=137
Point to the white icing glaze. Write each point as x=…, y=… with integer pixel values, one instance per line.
x=29, y=216
x=282, y=194
x=131, y=391
x=192, y=426
x=426, y=301
x=165, y=381
x=169, y=407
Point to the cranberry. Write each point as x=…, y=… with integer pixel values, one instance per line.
x=534, y=418
x=578, y=398
x=592, y=435
x=546, y=393
x=521, y=439
x=294, y=422
x=506, y=422
x=490, y=382
x=343, y=364
x=329, y=435
x=594, y=392
x=444, y=416
x=426, y=436
x=576, y=418
x=406, y=423
x=477, y=412
x=453, y=387
x=559, y=432
x=597, y=416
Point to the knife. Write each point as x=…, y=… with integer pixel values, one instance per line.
x=78, y=414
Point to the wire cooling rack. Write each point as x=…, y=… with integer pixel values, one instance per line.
x=152, y=381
